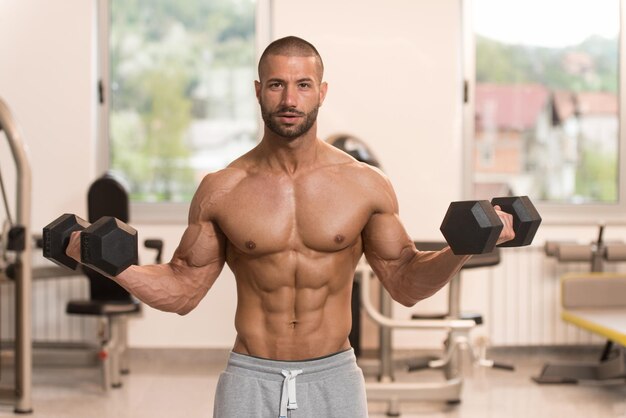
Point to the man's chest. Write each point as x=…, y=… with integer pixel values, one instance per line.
x=277, y=215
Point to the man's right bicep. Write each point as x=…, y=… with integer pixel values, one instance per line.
x=202, y=245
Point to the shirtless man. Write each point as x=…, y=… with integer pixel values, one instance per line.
x=291, y=218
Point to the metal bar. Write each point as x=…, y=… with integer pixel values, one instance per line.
x=385, y=350
x=449, y=390
x=23, y=281
x=103, y=162
x=386, y=321
x=45, y=273
x=454, y=297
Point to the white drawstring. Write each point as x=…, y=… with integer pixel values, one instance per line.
x=288, y=397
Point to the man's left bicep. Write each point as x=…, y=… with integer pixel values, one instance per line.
x=386, y=242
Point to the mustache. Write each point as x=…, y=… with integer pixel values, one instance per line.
x=288, y=111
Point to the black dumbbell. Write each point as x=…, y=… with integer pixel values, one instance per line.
x=108, y=245
x=473, y=227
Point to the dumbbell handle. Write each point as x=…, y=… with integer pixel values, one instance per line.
x=526, y=219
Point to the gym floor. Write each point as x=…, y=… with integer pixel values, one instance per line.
x=181, y=384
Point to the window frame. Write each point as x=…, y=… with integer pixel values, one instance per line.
x=142, y=212
x=552, y=213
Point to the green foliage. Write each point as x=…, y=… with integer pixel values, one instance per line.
x=502, y=63
x=160, y=52
x=596, y=176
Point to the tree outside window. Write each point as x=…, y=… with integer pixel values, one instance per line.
x=182, y=101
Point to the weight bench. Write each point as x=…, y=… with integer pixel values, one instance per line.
x=109, y=301
x=595, y=302
x=451, y=362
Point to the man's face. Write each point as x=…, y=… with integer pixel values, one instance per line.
x=290, y=93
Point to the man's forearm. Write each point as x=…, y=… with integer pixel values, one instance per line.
x=422, y=274
x=160, y=287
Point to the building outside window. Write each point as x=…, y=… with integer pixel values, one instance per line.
x=546, y=100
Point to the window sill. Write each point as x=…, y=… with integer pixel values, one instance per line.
x=159, y=213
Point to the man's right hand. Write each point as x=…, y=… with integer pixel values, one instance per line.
x=73, y=247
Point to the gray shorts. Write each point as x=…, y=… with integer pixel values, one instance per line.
x=331, y=386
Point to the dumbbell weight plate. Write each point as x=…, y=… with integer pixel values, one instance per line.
x=109, y=246
x=56, y=237
x=471, y=227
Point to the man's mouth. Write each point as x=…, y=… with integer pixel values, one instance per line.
x=288, y=117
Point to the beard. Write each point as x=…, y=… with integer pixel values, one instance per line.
x=289, y=131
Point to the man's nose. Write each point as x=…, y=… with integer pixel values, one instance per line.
x=289, y=98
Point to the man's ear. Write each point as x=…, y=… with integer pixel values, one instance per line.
x=257, y=89
x=323, y=90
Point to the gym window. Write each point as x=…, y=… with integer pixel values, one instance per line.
x=543, y=104
x=178, y=97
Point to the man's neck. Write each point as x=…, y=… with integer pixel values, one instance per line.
x=289, y=155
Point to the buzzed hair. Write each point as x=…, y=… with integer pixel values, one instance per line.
x=292, y=46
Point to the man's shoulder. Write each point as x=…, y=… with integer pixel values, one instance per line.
x=224, y=179
x=364, y=173
x=213, y=188
x=370, y=181
x=345, y=162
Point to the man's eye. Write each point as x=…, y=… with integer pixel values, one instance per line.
x=305, y=85
x=275, y=85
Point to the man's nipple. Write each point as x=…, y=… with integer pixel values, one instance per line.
x=250, y=245
x=339, y=238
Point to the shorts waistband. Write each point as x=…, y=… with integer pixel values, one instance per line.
x=312, y=369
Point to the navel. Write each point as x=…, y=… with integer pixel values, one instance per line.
x=250, y=245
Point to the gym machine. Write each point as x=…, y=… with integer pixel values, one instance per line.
x=394, y=392
x=610, y=366
x=20, y=394
x=452, y=360
x=597, y=253
x=458, y=351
